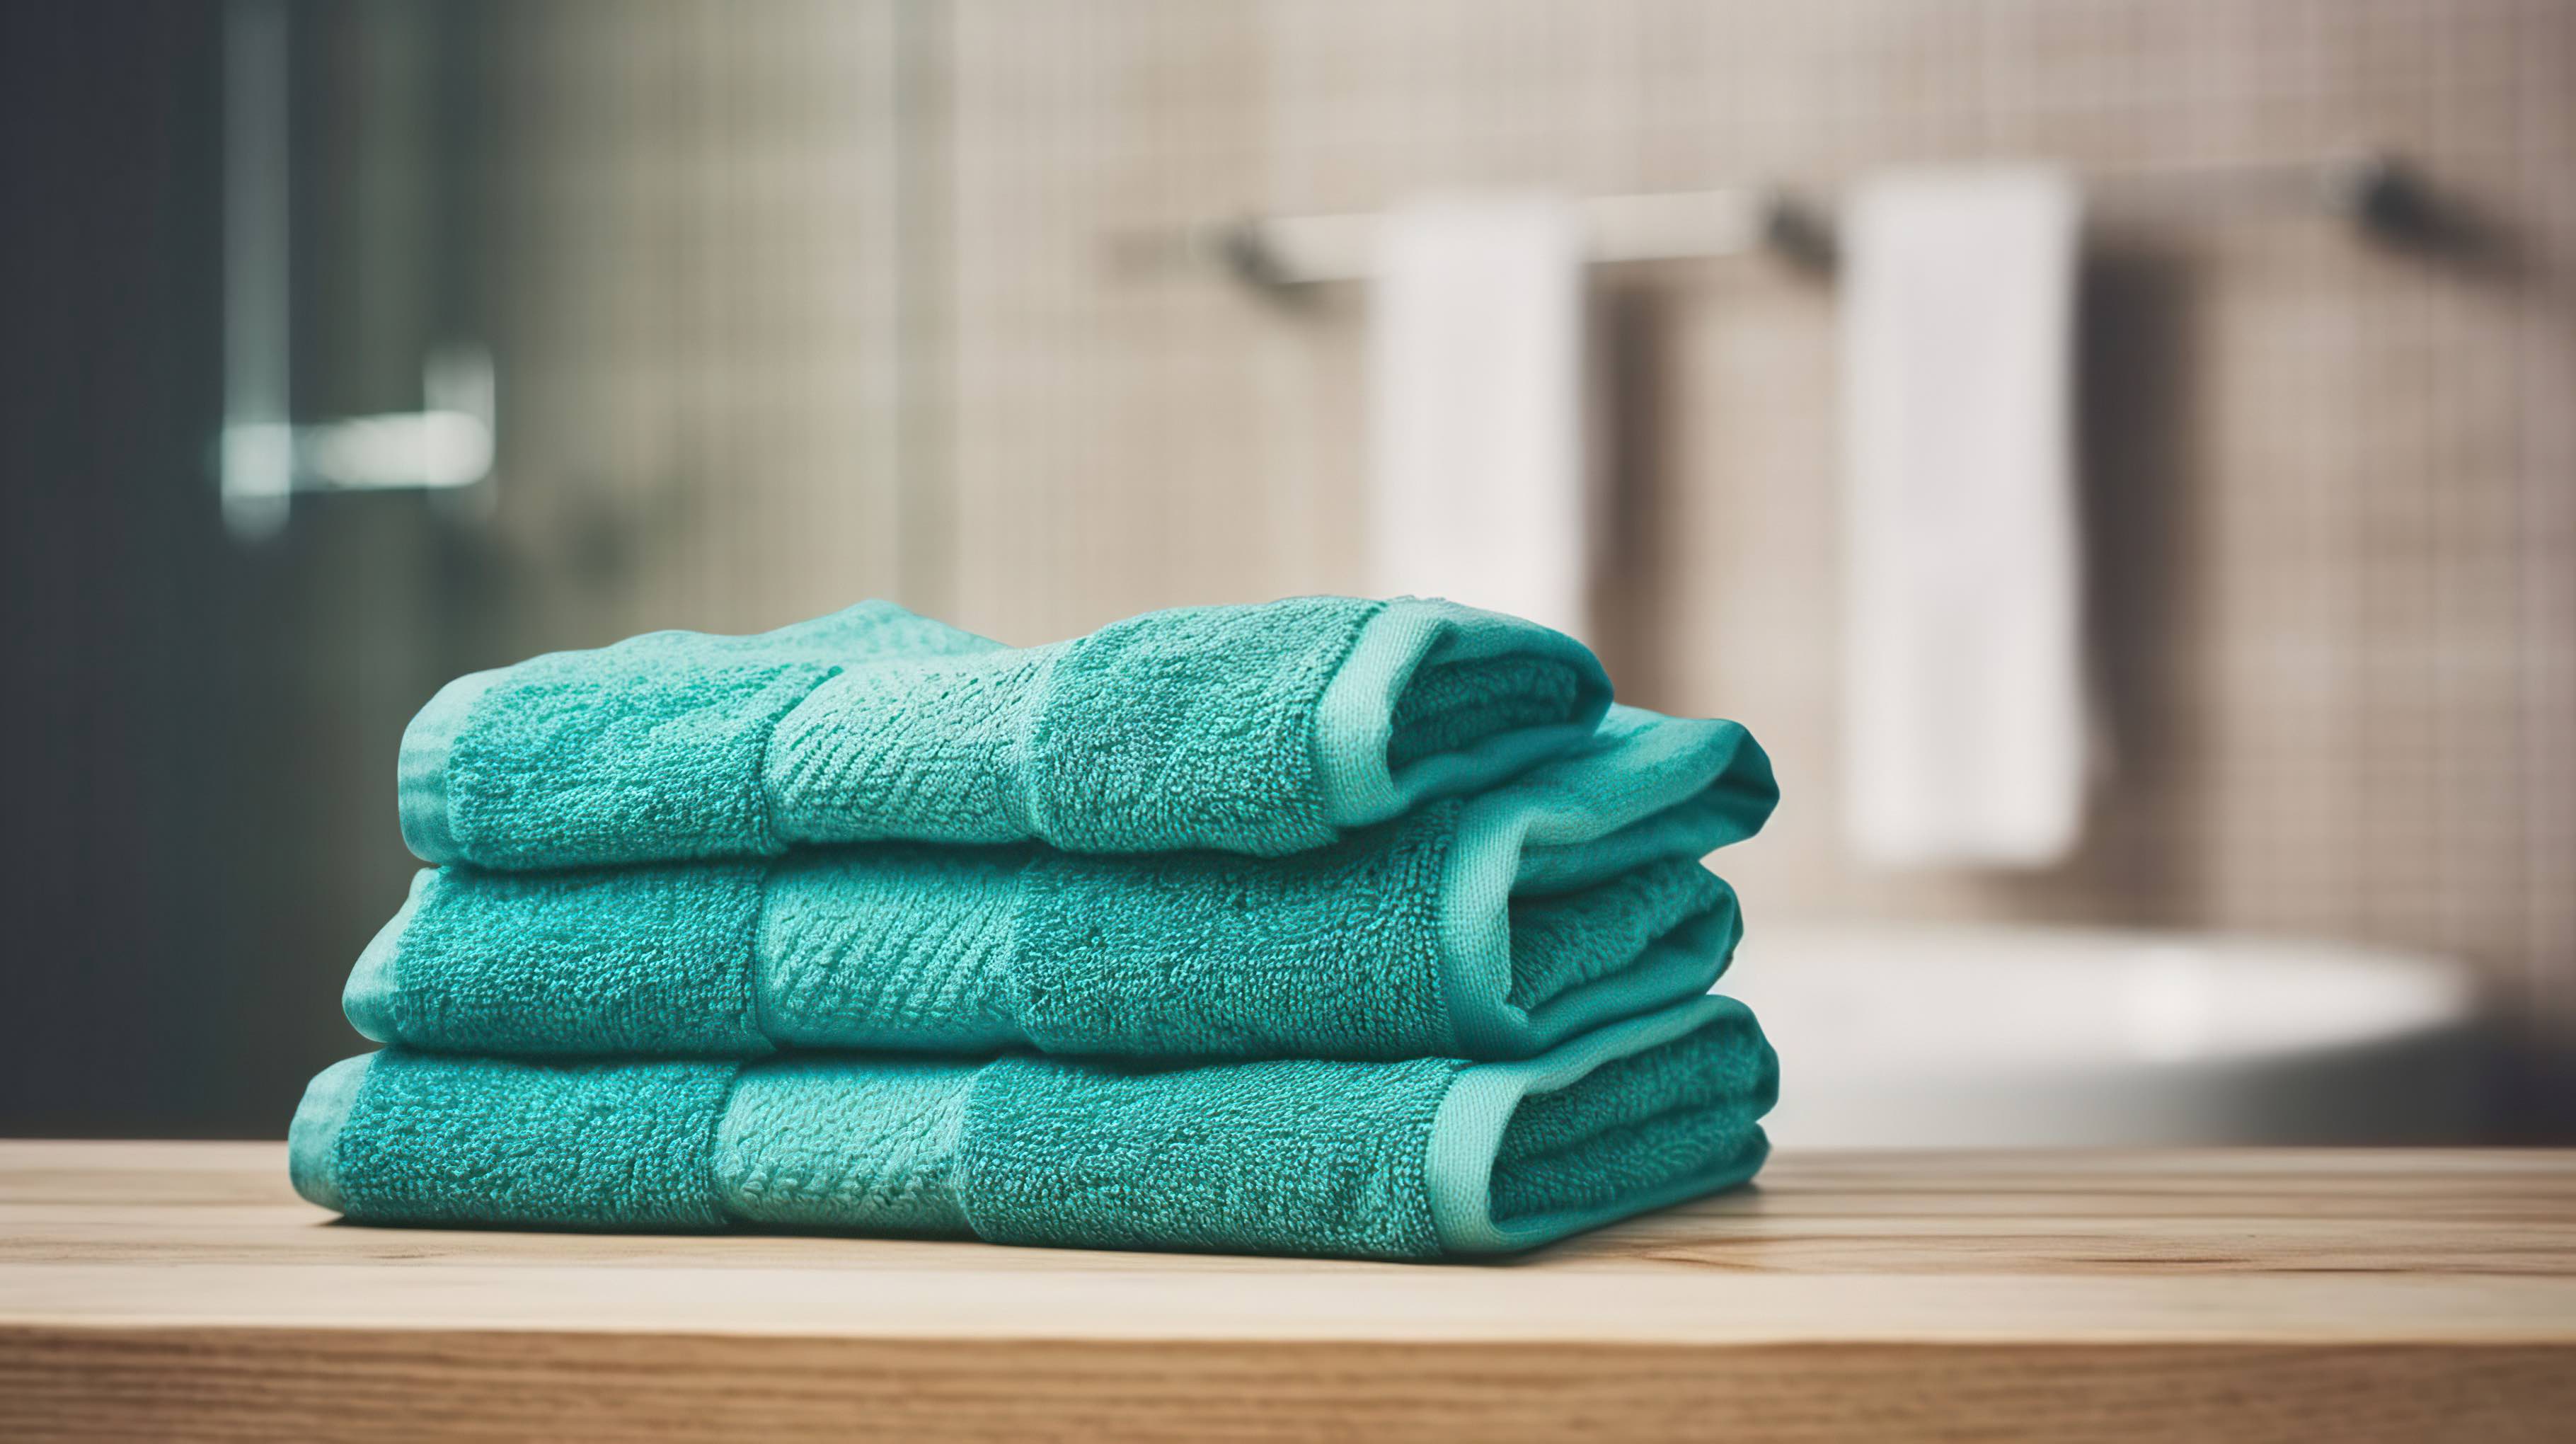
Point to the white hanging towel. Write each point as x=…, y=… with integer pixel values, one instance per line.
x=1478, y=453
x=1966, y=715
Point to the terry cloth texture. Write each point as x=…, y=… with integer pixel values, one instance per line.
x=1487, y=927
x=1406, y=1160
x=1256, y=729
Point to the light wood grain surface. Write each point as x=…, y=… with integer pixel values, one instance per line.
x=180, y=1290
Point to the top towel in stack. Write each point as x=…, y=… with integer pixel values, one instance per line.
x=1368, y=837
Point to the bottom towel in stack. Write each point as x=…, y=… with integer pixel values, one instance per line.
x=1423, y=1158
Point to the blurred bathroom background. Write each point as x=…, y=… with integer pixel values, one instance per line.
x=353, y=344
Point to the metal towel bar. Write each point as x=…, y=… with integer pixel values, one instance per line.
x=1282, y=253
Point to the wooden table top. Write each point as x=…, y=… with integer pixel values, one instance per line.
x=178, y=1289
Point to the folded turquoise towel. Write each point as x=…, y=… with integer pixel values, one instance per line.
x=1405, y=1160
x=1261, y=729
x=1487, y=927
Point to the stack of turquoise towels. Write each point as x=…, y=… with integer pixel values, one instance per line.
x=1326, y=926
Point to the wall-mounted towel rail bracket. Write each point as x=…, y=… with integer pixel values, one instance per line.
x=1281, y=256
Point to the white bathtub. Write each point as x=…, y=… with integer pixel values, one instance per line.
x=1939, y=1036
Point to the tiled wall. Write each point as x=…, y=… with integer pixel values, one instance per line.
x=689, y=216
x=2333, y=486
x=813, y=301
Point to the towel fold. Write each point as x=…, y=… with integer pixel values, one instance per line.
x=1492, y=926
x=1403, y=1160
x=1257, y=729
